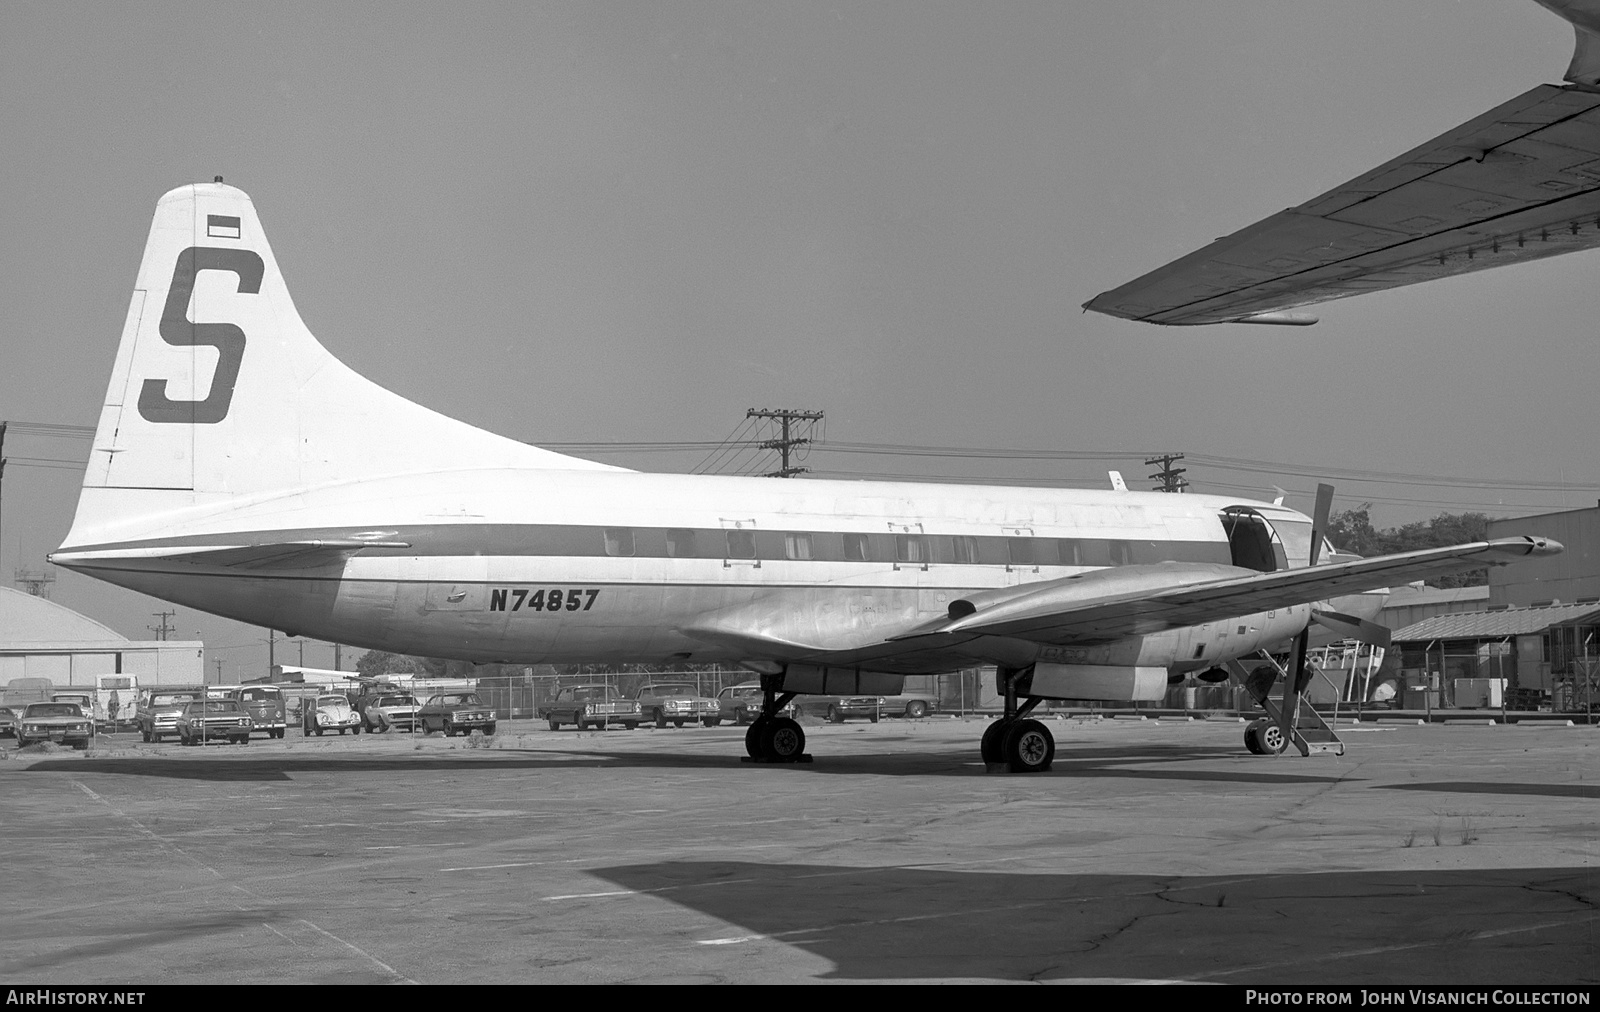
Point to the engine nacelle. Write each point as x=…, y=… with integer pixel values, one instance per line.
x=1094, y=681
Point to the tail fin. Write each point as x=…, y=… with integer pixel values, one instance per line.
x=219, y=389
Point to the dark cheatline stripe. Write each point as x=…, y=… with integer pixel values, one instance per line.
x=573, y=540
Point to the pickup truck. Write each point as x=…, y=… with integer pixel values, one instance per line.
x=584, y=705
x=679, y=702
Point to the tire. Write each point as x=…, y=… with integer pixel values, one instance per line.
x=631, y=725
x=873, y=718
x=449, y=732
x=660, y=718
x=555, y=725
x=1029, y=747
x=319, y=732
x=1265, y=737
x=782, y=740
x=834, y=716
x=241, y=741
x=993, y=737
x=711, y=721
x=488, y=729
x=677, y=723
x=356, y=729
x=146, y=736
x=752, y=738
x=916, y=709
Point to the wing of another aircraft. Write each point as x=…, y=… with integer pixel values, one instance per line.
x=1520, y=182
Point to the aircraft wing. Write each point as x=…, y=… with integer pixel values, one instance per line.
x=1057, y=613
x=1518, y=183
x=805, y=625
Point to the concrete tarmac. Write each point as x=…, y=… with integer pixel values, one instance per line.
x=1447, y=855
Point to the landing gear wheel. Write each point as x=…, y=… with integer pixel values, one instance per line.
x=1029, y=747
x=993, y=738
x=1265, y=737
x=782, y=740
x=752, y=737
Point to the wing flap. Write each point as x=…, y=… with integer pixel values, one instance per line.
x=1521, y=182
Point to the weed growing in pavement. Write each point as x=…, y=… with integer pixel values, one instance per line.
x=1410, y=840
x=478, y=739
x=1468, y=835
x=1438, y=831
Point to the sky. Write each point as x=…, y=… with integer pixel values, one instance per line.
x=623, y=222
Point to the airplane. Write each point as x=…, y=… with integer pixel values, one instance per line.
x=239, y=468
x=1520, y=182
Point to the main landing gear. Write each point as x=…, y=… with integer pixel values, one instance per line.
x=775, y=739
x=1017, y=743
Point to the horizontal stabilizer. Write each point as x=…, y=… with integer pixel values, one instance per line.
x=1518, y=183
x=274, y=555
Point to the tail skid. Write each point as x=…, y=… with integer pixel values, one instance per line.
x=220, y=391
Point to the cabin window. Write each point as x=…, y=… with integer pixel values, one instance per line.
x=855, y=548
x=1071, y=553
x=680, y=543
x=619, y=541
x=1020, y=551
x=741, y=544
x=910, y=548
x=797, y=546
x=1121, y=553
x=965, y=550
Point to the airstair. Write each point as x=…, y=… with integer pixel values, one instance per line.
x=1307, y=730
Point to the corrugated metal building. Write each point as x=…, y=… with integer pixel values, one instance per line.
x=1410, y=605
x=1573, y=576
x=1544, y=654
x=42, y=639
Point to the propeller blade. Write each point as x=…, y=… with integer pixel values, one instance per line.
x=1353, y=628
x=1319, y=520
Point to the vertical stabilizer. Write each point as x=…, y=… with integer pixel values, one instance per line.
x=219, y=390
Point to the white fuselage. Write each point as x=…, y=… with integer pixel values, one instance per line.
x=610, y=566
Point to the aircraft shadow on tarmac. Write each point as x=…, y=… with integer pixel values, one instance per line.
x=1491, y=787
x=1145, y=762
x=1523, y=925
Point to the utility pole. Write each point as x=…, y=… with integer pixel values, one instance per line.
x=788, y=442
x=162, y=629
x=1169, y=476
x=271, y=661
x=218, y=663
x=336, y=649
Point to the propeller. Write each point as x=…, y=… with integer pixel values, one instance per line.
x=1351, y=627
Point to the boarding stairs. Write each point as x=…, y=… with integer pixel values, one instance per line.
x=1307, y=730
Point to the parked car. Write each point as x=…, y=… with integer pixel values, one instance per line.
x=391, y=709
x=85, y=701
x=741, y=704
x=328, y=712
x=679, y=702
x=8, y=722
x=590, y=704
x=265, y=705
x=456, y=713
x=157, y=715
x=838, y=709
x=910, y=704
x=65, y=723
x=206, y=720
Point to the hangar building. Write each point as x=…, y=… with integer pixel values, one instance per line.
x=42, y=639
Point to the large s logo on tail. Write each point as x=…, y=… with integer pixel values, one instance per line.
x=179, y=331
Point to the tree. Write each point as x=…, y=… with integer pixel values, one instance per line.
x=375, y=663
x=1352, y=531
